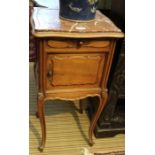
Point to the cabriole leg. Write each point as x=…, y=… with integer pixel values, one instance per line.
x=102, y=102
x=42, y=121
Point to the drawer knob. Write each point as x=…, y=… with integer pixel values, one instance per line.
x=49, y=74
x=79, y=44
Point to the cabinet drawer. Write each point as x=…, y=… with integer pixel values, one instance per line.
x=80, y=45
x=74, y=70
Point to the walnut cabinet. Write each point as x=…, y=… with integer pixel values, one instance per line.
x=73, y=60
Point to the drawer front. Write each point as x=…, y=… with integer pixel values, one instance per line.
x=74, y=70
x=80, y=45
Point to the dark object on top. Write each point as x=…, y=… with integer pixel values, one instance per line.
x=79, y=10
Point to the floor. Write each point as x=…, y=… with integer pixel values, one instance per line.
x=67, y=129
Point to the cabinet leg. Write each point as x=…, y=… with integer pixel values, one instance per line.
x=37, y=114
x=102, y=102
x=80, y=107
x=42, y=122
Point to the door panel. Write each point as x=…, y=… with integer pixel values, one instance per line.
x=74, y=70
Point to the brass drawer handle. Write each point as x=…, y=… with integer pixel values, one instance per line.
x=49, y=74
x=79, y=44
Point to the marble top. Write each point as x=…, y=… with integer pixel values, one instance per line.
x=48, y=20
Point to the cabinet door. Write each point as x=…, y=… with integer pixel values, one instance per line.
x=74, y=70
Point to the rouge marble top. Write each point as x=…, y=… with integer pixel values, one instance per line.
x=47, y=23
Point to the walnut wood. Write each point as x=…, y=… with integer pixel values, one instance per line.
x=102, y=102
x=42, y=120
x=72, y=63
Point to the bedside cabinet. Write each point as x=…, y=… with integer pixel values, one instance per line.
x=73, y=60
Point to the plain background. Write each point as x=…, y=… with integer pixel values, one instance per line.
x=140, y=77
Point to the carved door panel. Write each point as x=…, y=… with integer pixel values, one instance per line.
x=71, y=70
